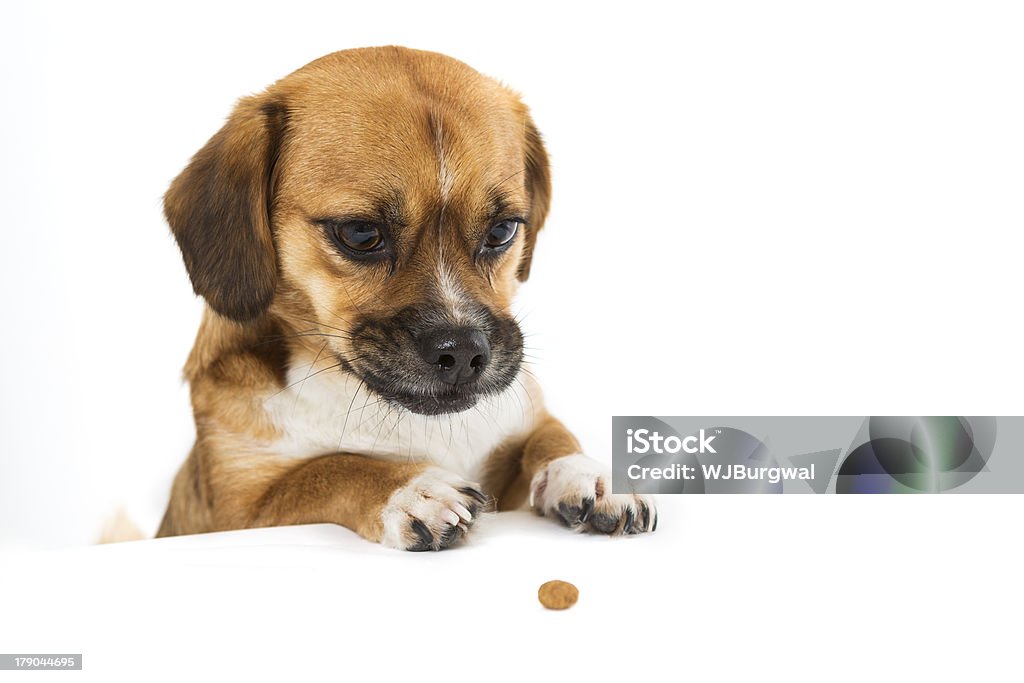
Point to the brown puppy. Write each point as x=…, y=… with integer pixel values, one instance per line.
x=358, y=232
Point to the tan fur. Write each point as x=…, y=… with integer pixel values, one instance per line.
x=119, y=528
x=342, y=136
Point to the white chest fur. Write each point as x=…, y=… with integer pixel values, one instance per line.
x=333, y=412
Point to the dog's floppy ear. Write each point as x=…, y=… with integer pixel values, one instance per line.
x=219, y=211
x=538, y=184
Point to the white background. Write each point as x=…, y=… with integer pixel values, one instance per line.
x=759, y=208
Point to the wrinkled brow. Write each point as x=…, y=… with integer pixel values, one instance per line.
x=502, y=204
x=390, y=208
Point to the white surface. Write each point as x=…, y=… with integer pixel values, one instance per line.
x=799, y=588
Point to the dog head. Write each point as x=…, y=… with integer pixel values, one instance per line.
x=383, y=205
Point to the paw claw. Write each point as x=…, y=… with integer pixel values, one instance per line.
x=627, y=526
x=452, y=534
x=450, y=517
x=463, y=513
x=645, y=516
x=474, y=493
x=426, y=539
x=588, y=509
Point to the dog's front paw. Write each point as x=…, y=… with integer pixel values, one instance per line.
x=433, y=511
x=576, y=491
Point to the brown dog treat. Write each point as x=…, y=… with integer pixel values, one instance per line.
x=557, y=595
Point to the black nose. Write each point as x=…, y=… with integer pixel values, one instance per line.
x=458, y=356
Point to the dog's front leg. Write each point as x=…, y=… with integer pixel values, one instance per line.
x=577, y=490
x=410, y=506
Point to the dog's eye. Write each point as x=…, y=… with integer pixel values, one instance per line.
x=501, y=233
x=358, y=236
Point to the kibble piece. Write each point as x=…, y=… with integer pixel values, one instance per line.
x=558, y=595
